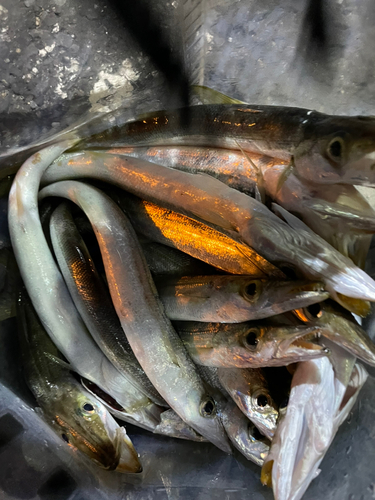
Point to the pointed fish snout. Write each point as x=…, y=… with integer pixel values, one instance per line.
x=305, y=293
x=129, y=461
x=293, y=343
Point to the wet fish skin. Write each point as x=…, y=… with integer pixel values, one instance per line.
x=249, y=390
x=229, y=166
x=272, y=130
x=93, y=301
x=234, y=213
x=81, y=420
x=168, y=423
x=166, y=261
x=233, y=299
x=244, y=435
x=340, y=215
x=246, y=345
x=331, y=213
x=196, y=239
x=49, y=294
x=150, y=334
x=95, y=306
x=339, y=326
x=324, y=148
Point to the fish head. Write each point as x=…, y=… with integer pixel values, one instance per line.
x=344, y=152
x=85, y=424
x=281, y=345
x=263, y=411
x=244, y=434
x=340, y=327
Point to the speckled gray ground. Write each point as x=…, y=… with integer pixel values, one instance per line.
x=59, y=59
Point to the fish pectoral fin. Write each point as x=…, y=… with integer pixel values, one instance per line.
x=290, y=219
x=58, y=361
x=258, y=195
x=211, y=96
x=260, y=190
x=284, y=176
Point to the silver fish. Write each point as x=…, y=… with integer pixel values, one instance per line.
x=50, y=296
x=249, y=390
x=75, y=415
x=233, y=212
x=233, y=299
x=248, y=345
x=93, y=301
x=151, y=336
x=324, y=148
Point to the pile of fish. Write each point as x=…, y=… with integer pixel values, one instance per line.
x=196, y=275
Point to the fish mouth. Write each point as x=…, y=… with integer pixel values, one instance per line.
x=306, y=293
x=301, y=344
x=361, y=172
x=129, y=462
x=147, y=417
x=352, y=338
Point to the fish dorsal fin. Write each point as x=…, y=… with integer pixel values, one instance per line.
x=211, y=96
x=290, y=219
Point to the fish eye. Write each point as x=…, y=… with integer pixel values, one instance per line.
x=88, y=408
x=335, y=149
x=314, y=311
x=250, y=339
x=262, y=400
x=254, y=432
x=252, y=290
x=208, y=408
x=65, y=438
x=284, y=403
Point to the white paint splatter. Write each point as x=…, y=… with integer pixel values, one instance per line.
x=49, y=48
x=56, y=28
x=59, y=91
x=112, y=86
x=3, y=13
x=42, y=52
